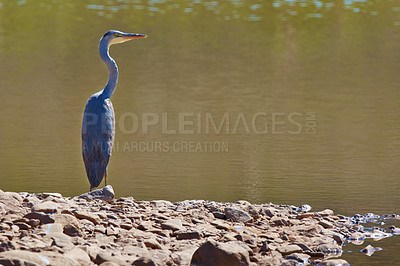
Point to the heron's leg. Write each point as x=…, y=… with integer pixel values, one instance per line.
x=105, y=178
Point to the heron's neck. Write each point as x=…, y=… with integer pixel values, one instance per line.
x=112, y=69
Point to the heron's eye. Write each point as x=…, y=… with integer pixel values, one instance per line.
x=117, y=35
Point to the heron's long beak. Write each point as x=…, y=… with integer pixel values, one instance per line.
x=130, y=36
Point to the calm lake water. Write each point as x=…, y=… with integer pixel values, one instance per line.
x=294, y=102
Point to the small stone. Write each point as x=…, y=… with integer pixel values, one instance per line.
x=220, y=225
x=126, y=226
x=79, y=255
x=22, y=226
x=369, y=250
x=172, y=224
x=34, y=222
x=326, y=212
x=219, y=215
x=62, y=241
x=20, y=257
x=94, y=218
x=43, y=218
x=334, y=262
x=180, y=235
x=357, y=236
x=279, y=221
x=66, y=219
x=55, y=195
x=288, y=249
x=237, y=215
x=111, y=231
x=220, y=254
x=144, y=261
x=305, y=215
x=52, y=228
x=326, y=224
x=299, y=257
x=106, y=194
x=289, y=262
x=47, y=207
x=71, y=230
x=136, y=251
x=152, y=243
x=103, y=257
x=146, y=225
x=338, y=238
x=270, y=212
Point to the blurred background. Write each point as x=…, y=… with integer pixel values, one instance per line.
x=333, y=65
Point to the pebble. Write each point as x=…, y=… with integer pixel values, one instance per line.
x=94, y=228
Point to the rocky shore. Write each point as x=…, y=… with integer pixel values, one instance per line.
x=95, y=229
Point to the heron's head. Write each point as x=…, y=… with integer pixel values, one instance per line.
x=115, y=36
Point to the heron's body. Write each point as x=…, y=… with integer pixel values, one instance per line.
x=98, y=126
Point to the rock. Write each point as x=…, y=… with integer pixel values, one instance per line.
x=338, y=238
x=43, y=218
x=183, y=257
x=22, y=226
x=334, y=262
x=220, y=254
x=219, y=215
x=21, y=257
x=396, y=231
x=103, y=256
x=305, y=208
x=145, y=225
x=152, y=243
x=237, y=215
x=106, y=194
x=126, y=226
x=10, y=201
x=279, y=221
x=180, y=235
x=55, y=195
x=326, y=212
x=326, y=224
x=11, y=197
x=299, y=257
x=52, y=228
x=79, y=255
x=111, y=231
x=136, y=251
x=329, y=248
x=369, y=250
x=356, y=236
x=72, y=231
x=144, y=261
x=270, y=212
x=286, y=249
x=172, y=224
x=66, y=219
x=47, y=207
x=62, y=241
x=305, y=215
x=220, y=225
x=289, y=262
x=94, y=218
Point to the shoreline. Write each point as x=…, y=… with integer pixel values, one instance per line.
x=47, y=228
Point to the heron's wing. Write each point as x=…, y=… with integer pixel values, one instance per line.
x=108, y=129
x=97, y=139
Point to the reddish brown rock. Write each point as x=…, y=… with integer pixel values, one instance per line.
x=220, y=254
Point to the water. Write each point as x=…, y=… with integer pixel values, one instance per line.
x=310, y=90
